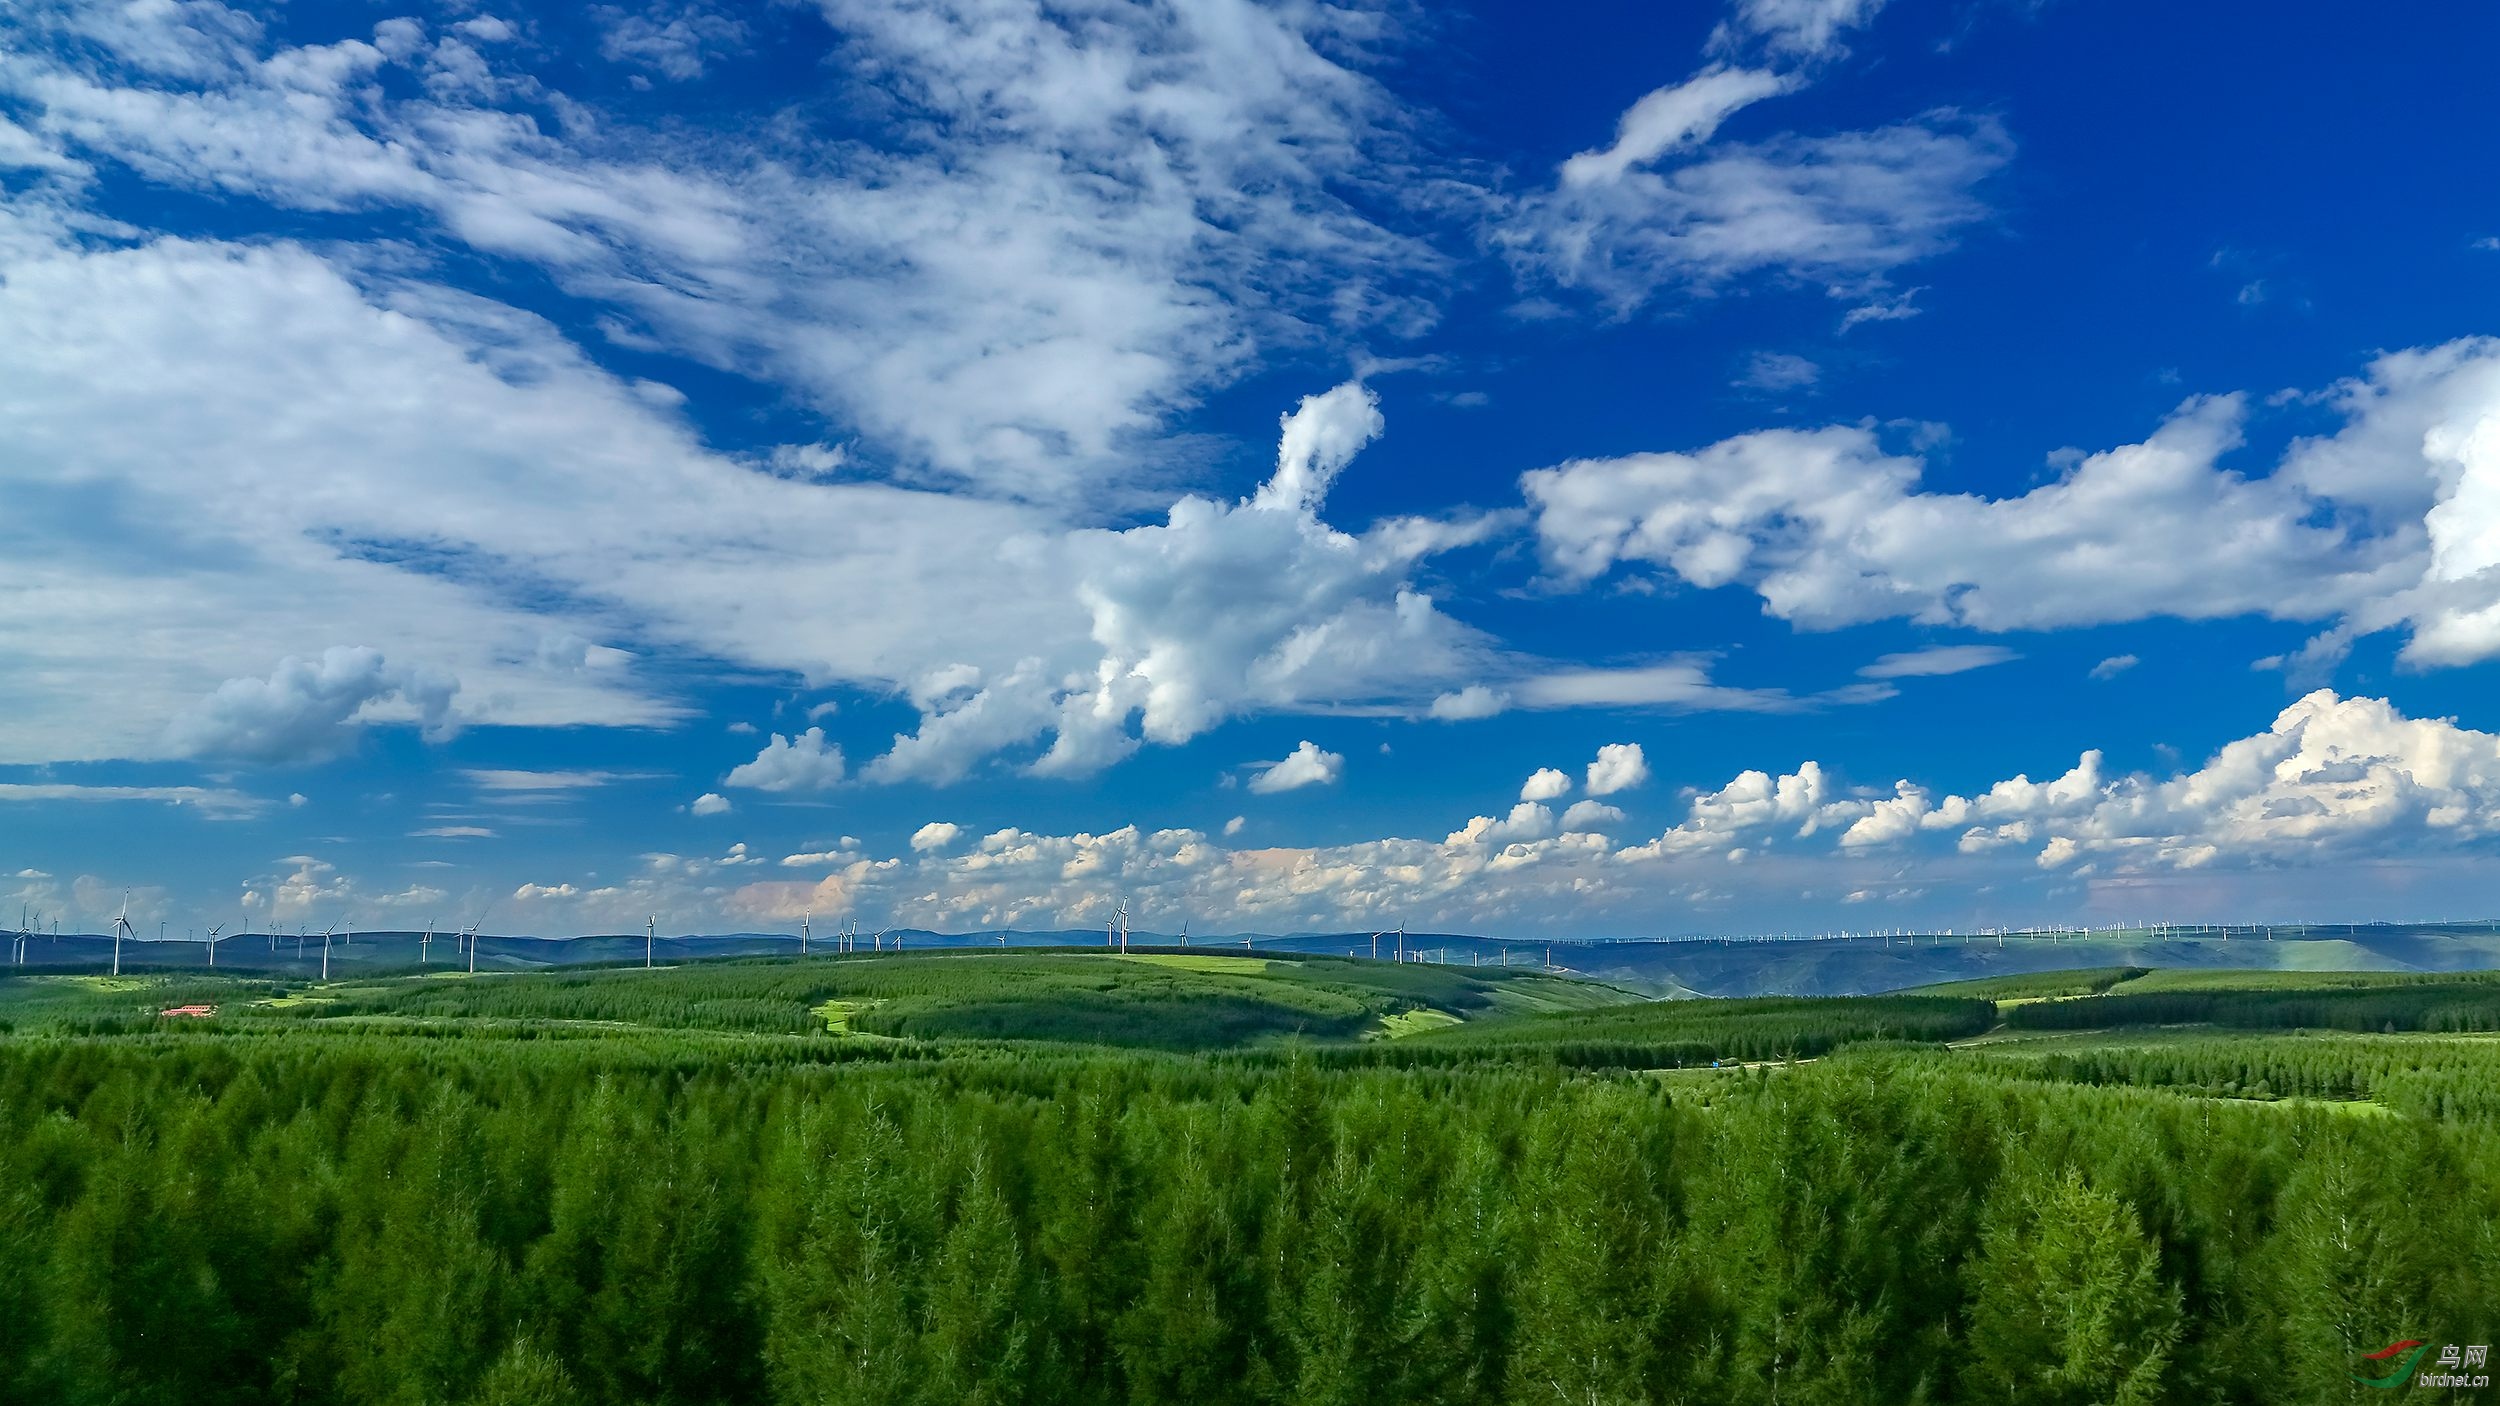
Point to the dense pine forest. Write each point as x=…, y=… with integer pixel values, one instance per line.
x=1064, y=1178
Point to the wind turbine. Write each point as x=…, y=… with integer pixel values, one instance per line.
x=1124, y=927
x=325, y=950
x=121, y=925
x=25, y=935
x=876, y=941
x=1184, y=932
x=650, y=931
x=803, y=917
x=211, y=943
x=473, y=927
x=425, y=944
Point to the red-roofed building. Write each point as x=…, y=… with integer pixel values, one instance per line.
x=187, y=1012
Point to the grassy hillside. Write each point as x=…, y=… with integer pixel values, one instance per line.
x=1864, y=965
x=1682, y=1033
x=2036, y=986
x=1170, y=1001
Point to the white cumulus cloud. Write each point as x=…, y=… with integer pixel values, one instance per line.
x=1546, y=784
x=1831, y=530
x=1307, y=766
x=1468, y=704
x=1619, y=766
x=805, y=763
x=1591, y=815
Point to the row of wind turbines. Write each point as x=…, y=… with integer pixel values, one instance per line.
x=23, y=940
x=845, y=940
x=1116, y=934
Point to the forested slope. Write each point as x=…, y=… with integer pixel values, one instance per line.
x=399, y=1207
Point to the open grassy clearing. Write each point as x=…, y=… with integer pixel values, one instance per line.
x=1404, y=1023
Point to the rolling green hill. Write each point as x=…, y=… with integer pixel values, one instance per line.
x=1169, y=1001
x=1864, y=965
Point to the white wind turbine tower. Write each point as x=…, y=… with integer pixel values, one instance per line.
x=211, y=943
x=325, y=950
x=1184, y=932
x=425, y=944
x=473, y=949
x=650, y=931
x=121, y=925
x=803, y=917
x=25, y=935
x=1123, y=927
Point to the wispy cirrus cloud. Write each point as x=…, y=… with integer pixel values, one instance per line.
x=1937, y=661
x=215, y=802
x=1144, y=193
x=510, y=780
x=1665, y=208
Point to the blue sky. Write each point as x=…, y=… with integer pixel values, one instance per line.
x=1801, y=465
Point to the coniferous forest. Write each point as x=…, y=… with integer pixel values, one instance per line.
x=808, y=1183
